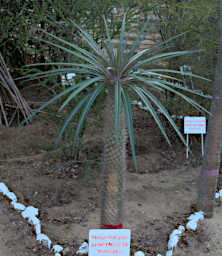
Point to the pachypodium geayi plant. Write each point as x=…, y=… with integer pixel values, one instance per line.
x=123, y=74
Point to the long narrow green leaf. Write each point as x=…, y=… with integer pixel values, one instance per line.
x=71, y=116
x=117, y=107
x=52, y=72
x=77, y=54
x=120, y=50
x=151, y=110
x=34, y=113
x=109, y=44
x=137, y=40
x=154, y=80
x=126, y=57
x=159, y=75
x=165, y=112
x=164, y=43
x=129, y=122
x=109, y=52
x=188, y=99
x=89, y=40
x=148, y=82
x=118, y=57
x=181, y=73
x=123, y=26
x=89, y=103
x=86, y=66
x=178, y=86
x=142, y=54
x=80, y=86
x=162, y=56
x=76, y=47
x=120, y=47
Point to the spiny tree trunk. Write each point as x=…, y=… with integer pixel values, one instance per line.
x=213, y=147
x=114, y=167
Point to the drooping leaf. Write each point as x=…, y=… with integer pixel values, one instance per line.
x=83, y=115
x=71, y=116
x=129, y=122
x=71, y=64
x=161, y=57
x=80, y=87
x=54, y=72
x=188, y=99
x=160, y=76
x=56, y=97
x=164, y=112
x=180, y=72
x=155, y=82
x=152, y=111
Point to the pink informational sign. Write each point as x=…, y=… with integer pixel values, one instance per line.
x=194, y=125
x=109, y=242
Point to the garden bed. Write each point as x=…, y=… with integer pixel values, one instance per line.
x=157, y=199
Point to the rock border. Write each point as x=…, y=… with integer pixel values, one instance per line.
x=30, y=213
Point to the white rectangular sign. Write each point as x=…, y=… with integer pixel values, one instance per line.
x=109, y=242
x=194, y=124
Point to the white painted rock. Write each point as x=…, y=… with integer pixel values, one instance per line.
x=12, y=196
x=139, y=253
x=44, y=240
x=30, y=212
x=3, y=189
x=83, y=249
x=57, y=248
x=174, y=237
x=193, y=219
x=18, y=206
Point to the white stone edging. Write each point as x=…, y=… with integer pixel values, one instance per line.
x=175, y=235
x=31, y=214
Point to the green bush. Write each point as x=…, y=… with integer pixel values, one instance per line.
x=21, y=20
x=198, y=19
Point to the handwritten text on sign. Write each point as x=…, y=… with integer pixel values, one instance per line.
x=109, y=242
x=194, y=124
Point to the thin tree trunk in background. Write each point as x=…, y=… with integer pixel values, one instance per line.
x=10, y=94
x=42, y=26
x=114, y=167
x=213, y=147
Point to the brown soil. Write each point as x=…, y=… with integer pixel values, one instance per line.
x=158, y=198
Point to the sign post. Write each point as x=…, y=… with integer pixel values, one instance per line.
x=109, y=242
x=194, y=125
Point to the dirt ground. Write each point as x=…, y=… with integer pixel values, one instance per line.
x=67, y=194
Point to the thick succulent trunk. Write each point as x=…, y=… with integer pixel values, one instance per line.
x=212, y=158
x=114, y=167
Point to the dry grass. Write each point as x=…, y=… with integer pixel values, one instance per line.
x=13, y=106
